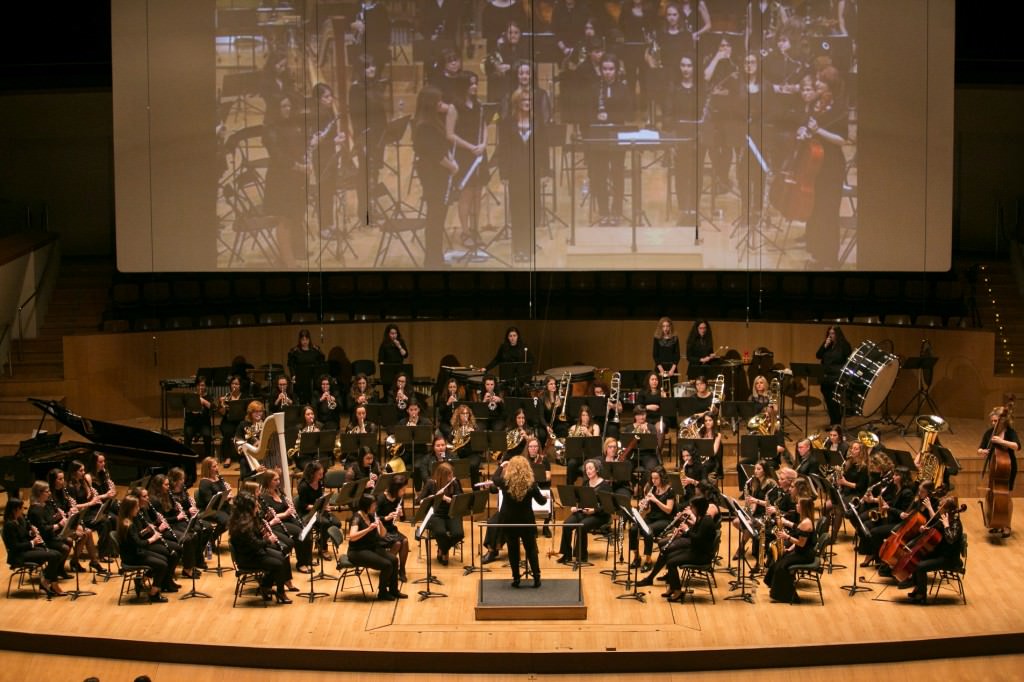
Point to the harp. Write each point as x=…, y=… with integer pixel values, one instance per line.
x=272, y=451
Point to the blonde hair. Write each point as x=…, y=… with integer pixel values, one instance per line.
x=671, y=328
x=254, y=406
x=518, y=476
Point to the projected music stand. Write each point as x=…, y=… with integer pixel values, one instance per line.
x=393, y=134
x=748, y=245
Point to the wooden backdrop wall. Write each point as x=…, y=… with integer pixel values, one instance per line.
x=116, y=376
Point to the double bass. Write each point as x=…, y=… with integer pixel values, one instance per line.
x=997, y=505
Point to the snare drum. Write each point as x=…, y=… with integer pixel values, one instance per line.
x=581, y=377
x=866, y=379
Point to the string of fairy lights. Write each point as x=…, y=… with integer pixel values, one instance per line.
x=1002, y=342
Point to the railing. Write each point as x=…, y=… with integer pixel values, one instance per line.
x=35, y=292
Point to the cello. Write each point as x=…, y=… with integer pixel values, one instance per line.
x=792, y=190
x=910, y=555
x=997, y=506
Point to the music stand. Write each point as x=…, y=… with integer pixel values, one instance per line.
x=317, y=443
x=924, y=364
x=411, y=436
x=381, y=413
x=582, y=449
x=393, y=134
x=479, y=500
x=236, y=410
x=741, y=577
x=739, y=412
x=69, y=530
x=425, y=512
x=515, y=375
x=642, y=528
x=193, y=593
x=352, y=442
x=212, y=508
x=614, y=503
x=851, y=513
x=318, y=508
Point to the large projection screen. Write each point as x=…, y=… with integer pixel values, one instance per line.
x=788, y=141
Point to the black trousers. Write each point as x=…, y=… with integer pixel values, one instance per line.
x=591, y=522
x=51, y=560
x=446, y=532
x=379, y=560
x=528, y=536
x=276, y=570
x=656, y=528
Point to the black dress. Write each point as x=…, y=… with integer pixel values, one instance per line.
x=832, y=360
x=781, y=580
x=591, y=522
x=20, y=549
x=253, y=550
x=302, y=365
x=431, y=146
x=665, y=353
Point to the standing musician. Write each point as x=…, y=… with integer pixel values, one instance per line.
x=638, y=23
x=197, y=423
x=440, y=21
x=692, y=543
x=139, y=550
x=523, y=159
x=500, y=64
x=328, y=406
x=947, y=555
x=495, y=18
x=371, y=32
x=253, y=547
x=833, y=353
x=582, y=77
x=360, y=393
x=281, y=397
x=390, y=511
x=165, y=508
x=365, y=549
x=800, y=548
x=247, y=439
x=607, y=104
x=591, y=518
x=542, y=107
x=520, y=491
x=682, y=105
x=368, y=113
x=463, y=425
x=284, y=136
x=1001, y=437
x=327, y=138
x=657, y=506
x=551, y=408
x=228, y=426
x=665, y=349
x=310, y=490
x=435, y=167
x=782, y=74
x=45, y=518
x=470, y=152
x=25, y=544
x=722, y=76
x=700, y=350
x=392, y=350
x=442, y=489
x=512, y=349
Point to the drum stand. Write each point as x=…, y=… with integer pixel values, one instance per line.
x=922, y=364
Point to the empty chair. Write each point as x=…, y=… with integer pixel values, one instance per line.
x=866, y=319
x=273, y=318
x=928, y=321
x=303, y=317
x=899, y=320
x=210, y=321
x=179, y=322
x=241, y=320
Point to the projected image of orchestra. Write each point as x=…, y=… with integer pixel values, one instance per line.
x=547, y=134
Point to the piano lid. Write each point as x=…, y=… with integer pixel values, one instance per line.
x=117, y=438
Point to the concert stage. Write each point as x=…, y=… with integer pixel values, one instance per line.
x=618, y=636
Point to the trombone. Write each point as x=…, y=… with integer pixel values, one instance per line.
x=611, y=413
x=563, y=394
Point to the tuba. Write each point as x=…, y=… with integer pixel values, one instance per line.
x=869, y=440
x=690, y=426
x=932, y=469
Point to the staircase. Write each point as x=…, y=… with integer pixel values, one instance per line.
x=76, y=307
x=1000, y=304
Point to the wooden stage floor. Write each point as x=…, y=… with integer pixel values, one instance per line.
x=618, y=636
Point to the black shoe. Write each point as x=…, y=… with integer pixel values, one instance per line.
x=645, y=582
x=398, y=595
x=266, y=593
x=646, y=568
x=676, y=598
x=909, y=582
x=443, y=560
x=515, y=582
x=564, y=560
x=635, y=563
x=282, y=598
x=172, y=589
x=547, y=531
x=77, y=567
x=292, y=588
x=662, y=578
x=536, y=581
x=97, y=568
x=490, y=557
x=157, y=599
x=386, y=596
x=402, y=578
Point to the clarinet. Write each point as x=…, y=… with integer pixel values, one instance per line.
x=153, y=530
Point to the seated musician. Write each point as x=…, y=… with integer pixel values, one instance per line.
x=909, y=500
x=693, y=542
x=760, y=492
x=535, y=454
x=647, y=458
x=87, y=499
x=413, y=418
x=709, y=430
x=518, y=434
x=46, y=519
x=691, y=474
x=198, y=422
x=227, y=425
x=183, y=499
x=176, y=519
x=310, y=490
x=211, y=483
x=390, y=510
x=310, y=424
x=283, y=517
x=281, y=396
x=446, y=407
x=759, y=391
x=614, y=410
x=25, y=543
x=247, y=440
x=495, y=404
x=139, y=550
x=591, y=518
x=366, y=467
x=328, y=405
x=364, y=548
x=799, y=539
x=785, y=501
x=614, y=452
x=441, y=489
x=360, y=393
x=880, y=474
x=463, y=425
x=254, y=547
x=551, y=407
x=399, y=394
x=801, y=458
x=359, y=423
x=853, y=482
x=703, y=393
x=836, y=442
x=608, y=103
x=947, y=555
x=65, y=505
x=658, y=508
x=150, y=523
x=438, y=453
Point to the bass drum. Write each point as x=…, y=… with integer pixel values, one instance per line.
x=866, y=379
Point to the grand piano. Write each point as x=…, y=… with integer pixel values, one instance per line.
x=131, y=453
